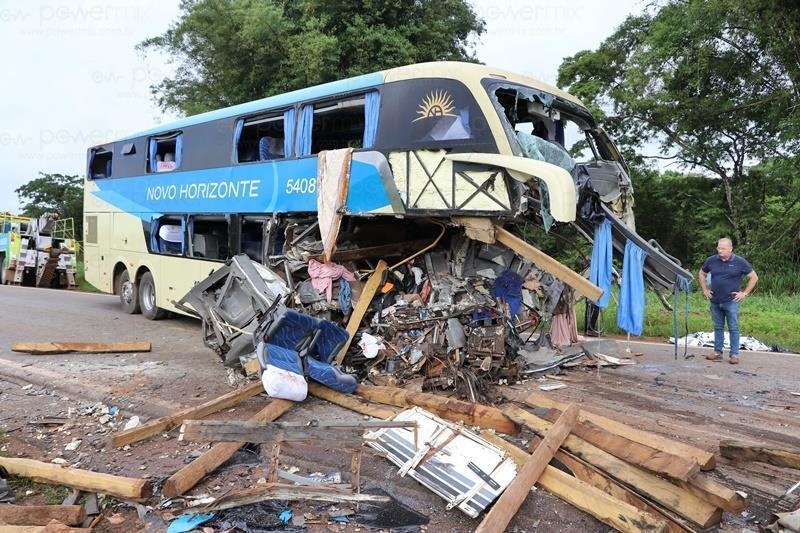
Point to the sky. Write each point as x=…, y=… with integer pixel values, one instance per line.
x=71, y=77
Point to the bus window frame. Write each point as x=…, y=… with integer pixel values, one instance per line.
x=175, y=136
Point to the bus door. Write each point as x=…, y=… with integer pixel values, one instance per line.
x=96, y=260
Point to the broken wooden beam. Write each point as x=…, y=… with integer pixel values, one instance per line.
x=763, y=453
x=165, y=423
x=512, y=497
x=280, y=491
x=559, y=270
x=597, y=478
x=607, y=509
x=188, y=476
x=41, y=515
x=361, y=306
x=121, y=487
x=320, y=434
x=49, y=348
x=351, y=402
x=671, y=496
x=54, y=526
x=654, y=460
x=704, y=458
x=471, y=414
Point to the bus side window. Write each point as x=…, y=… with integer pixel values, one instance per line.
x=100, y=164
x=165, y=152
x=263, y=137
x=170, y=239
x=346, y=123
x=209, y=237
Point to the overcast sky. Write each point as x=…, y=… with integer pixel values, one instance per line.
x=71, y=77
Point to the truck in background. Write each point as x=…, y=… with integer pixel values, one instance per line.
x=37, y=252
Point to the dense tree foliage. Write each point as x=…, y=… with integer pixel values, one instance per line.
x=713, y=83
x=714, y=86
x=226, y=52
x=54, y=192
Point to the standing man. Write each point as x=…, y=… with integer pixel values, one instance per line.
x=726, y=270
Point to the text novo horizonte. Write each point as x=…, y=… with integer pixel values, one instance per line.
x=204, y=191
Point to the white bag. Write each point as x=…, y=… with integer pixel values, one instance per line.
x=280, y=383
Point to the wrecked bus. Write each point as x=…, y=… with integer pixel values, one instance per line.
x=354, y=170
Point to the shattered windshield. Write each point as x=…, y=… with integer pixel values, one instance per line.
x=543, y=127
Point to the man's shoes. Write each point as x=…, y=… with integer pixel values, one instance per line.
x=734, y=360
x=715, y=357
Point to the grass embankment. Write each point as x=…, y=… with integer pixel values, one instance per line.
x=80, y=279
x=768, y=318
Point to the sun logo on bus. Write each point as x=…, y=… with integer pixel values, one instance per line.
x=436, y=104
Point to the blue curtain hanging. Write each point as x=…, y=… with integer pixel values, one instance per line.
x=153, y=149
x=154, y=244
x=630, y=313
x=183, y=234
x=304, y=130
x=178, y=150
x=288, y=132
x=372, y=107
x=237, y=134
x=600, y=268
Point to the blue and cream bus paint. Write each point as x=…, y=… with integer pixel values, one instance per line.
x=429, y=140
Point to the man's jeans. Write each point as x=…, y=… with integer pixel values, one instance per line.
x=720, y=313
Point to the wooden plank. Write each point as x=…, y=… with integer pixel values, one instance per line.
x=48, y=348
x=188, y=476
x=715, y=493
x=351, y=402
x=471, y=414
x=656, y=461
x=741, y=451
x=704, y=458
x=53, y=527
x=41, y=515
x=597, y=478
x=343, y=435
x=659, y=490
x=511, y=499
x=280, y=491
x=121, y=487
x=360, y=308
x=609, y=510
x=165, y=423
x=559, y=270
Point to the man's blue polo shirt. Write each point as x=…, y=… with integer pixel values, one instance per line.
x=726, y=276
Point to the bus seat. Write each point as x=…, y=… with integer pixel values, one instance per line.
x=205, y=246
x=266, y=149
x=169, y=157
x=170, y=237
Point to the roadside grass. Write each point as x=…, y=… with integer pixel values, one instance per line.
x=772, y=319
x=80, y=279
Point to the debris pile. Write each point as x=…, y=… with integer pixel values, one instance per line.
x=460, y=312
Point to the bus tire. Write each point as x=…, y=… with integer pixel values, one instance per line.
x=128, y=293
x=147, y=298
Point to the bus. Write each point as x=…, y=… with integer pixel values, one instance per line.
x=364, y=163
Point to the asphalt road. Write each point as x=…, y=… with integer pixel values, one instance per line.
x=179, y=370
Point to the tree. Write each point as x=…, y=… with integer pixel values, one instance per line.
x=714, y=83
x=232, y=51
x=54, y=192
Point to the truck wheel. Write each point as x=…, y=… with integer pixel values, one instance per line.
x=147, y=298
x=128, y=293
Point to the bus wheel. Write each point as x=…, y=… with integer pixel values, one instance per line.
x=128, y=293
x=147, y=298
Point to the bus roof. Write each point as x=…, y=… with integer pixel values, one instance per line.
x=470, y=73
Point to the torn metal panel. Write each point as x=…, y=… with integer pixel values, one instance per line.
x=560, y=187
x=431, y=180
x=452, y=461
x=333, y=183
